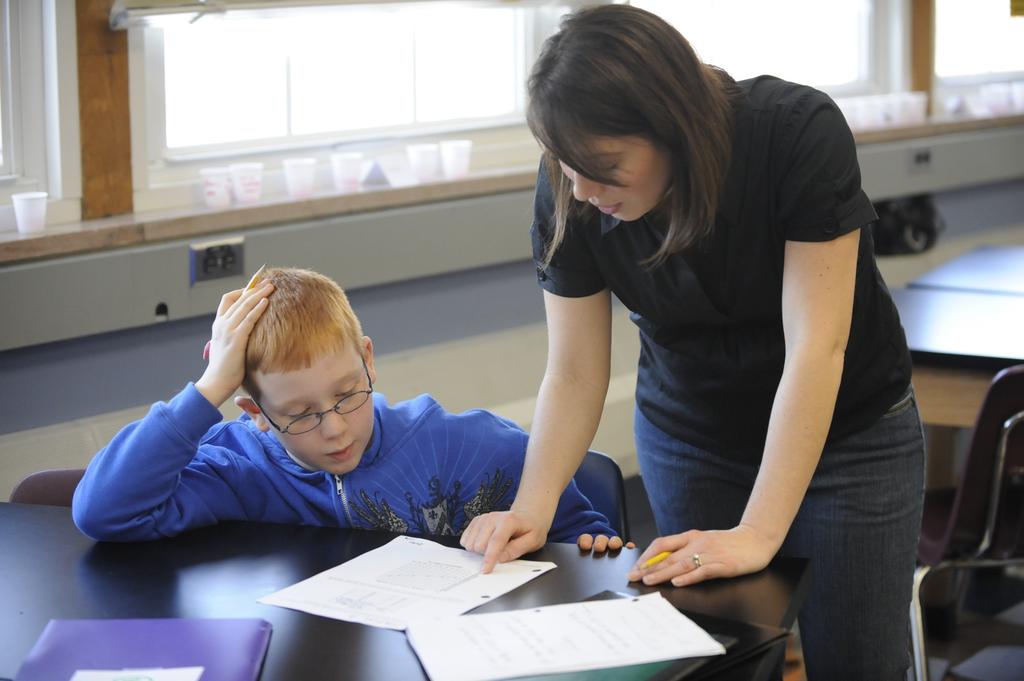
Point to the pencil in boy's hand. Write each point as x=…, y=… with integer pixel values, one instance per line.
x=656, y=559
x=256, y=277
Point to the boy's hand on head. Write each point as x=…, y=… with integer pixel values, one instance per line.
x=601, y=543
x=237, y=314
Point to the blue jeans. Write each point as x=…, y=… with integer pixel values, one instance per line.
x=858, y=524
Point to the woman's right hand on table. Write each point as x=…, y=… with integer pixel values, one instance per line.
x=504, y=535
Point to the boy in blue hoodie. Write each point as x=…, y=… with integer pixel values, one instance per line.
x=314, y=446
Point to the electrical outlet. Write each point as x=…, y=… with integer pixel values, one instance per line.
x=920, y=160
x=216, y=259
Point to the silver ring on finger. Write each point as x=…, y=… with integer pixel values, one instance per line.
x=696, y=559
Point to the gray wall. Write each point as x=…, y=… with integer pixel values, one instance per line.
x=82, y=377
x=64, y=380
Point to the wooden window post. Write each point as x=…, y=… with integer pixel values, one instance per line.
x=103, y=112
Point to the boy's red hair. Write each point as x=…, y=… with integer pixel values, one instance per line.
x=308, y=316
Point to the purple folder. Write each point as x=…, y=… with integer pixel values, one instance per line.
x=227, y=649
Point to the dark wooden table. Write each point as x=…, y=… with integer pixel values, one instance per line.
x=50, y=570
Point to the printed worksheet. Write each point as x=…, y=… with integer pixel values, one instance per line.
x=406, y=580
x=558, y=638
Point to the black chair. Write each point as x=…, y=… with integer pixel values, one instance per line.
x=980, y=522
x=600, y=480
x=53, y=487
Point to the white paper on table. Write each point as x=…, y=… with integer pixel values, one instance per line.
x=158, y=674
x=558, y=638
x=406, y=580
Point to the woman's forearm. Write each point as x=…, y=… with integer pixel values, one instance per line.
x=565, y=420
x=797, y=430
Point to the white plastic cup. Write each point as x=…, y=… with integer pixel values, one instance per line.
x=849, y=108
x=998, y=98
x=300, y=177
x=216, y=186
x=347, y=170
x=913, y=108
x=30, y=211
x=890, y=104
x=424, y=161
x=1017, y=95
x=455, y=155
x=247, y=181
x=873, y=112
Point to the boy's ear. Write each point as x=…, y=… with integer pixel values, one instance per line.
x=368, y=358
x=249, y=406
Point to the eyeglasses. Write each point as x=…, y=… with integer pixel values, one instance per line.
x=307, y=422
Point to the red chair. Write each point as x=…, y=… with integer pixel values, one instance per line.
x=980, y=522
x=48, y=488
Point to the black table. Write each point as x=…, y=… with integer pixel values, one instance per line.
x=50, y=570
x=958, y=341
x=963, y=324
x=987, y=269
x=964, y=321
x=962, y=328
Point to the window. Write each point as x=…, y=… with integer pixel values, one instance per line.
x=264, y=86
x=977, y=40
x=6, y=95
x=979, y=65
x=340, y=74
x=839, y=46
x=39, y=146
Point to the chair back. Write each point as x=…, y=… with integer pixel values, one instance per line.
x=984, y=515
x=600, y=480
x=53, y=487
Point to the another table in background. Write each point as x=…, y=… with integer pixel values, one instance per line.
x=986, y=270
x=958, y=341
x=964, y=321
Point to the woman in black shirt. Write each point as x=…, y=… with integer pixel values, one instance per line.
x=774, y=409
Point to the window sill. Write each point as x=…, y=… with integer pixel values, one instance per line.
x=151, y=227
x=937, y=127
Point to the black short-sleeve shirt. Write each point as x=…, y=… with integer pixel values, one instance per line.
x=710, y=318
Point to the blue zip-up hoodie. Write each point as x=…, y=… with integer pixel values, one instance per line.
x=425, y=471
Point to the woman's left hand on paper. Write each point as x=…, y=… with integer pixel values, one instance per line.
x=698, y=555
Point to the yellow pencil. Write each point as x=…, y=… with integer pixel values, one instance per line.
x=255, y=277
x=657, y=559
x=251, y=285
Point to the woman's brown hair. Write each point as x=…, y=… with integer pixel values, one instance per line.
x=616, y=71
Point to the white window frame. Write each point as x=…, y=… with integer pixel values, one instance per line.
x=887, y=54
x=41, y=126
x=883, y=39
x=165, y=180
x=7, y=97
x=890, y=48
x=966, y=87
